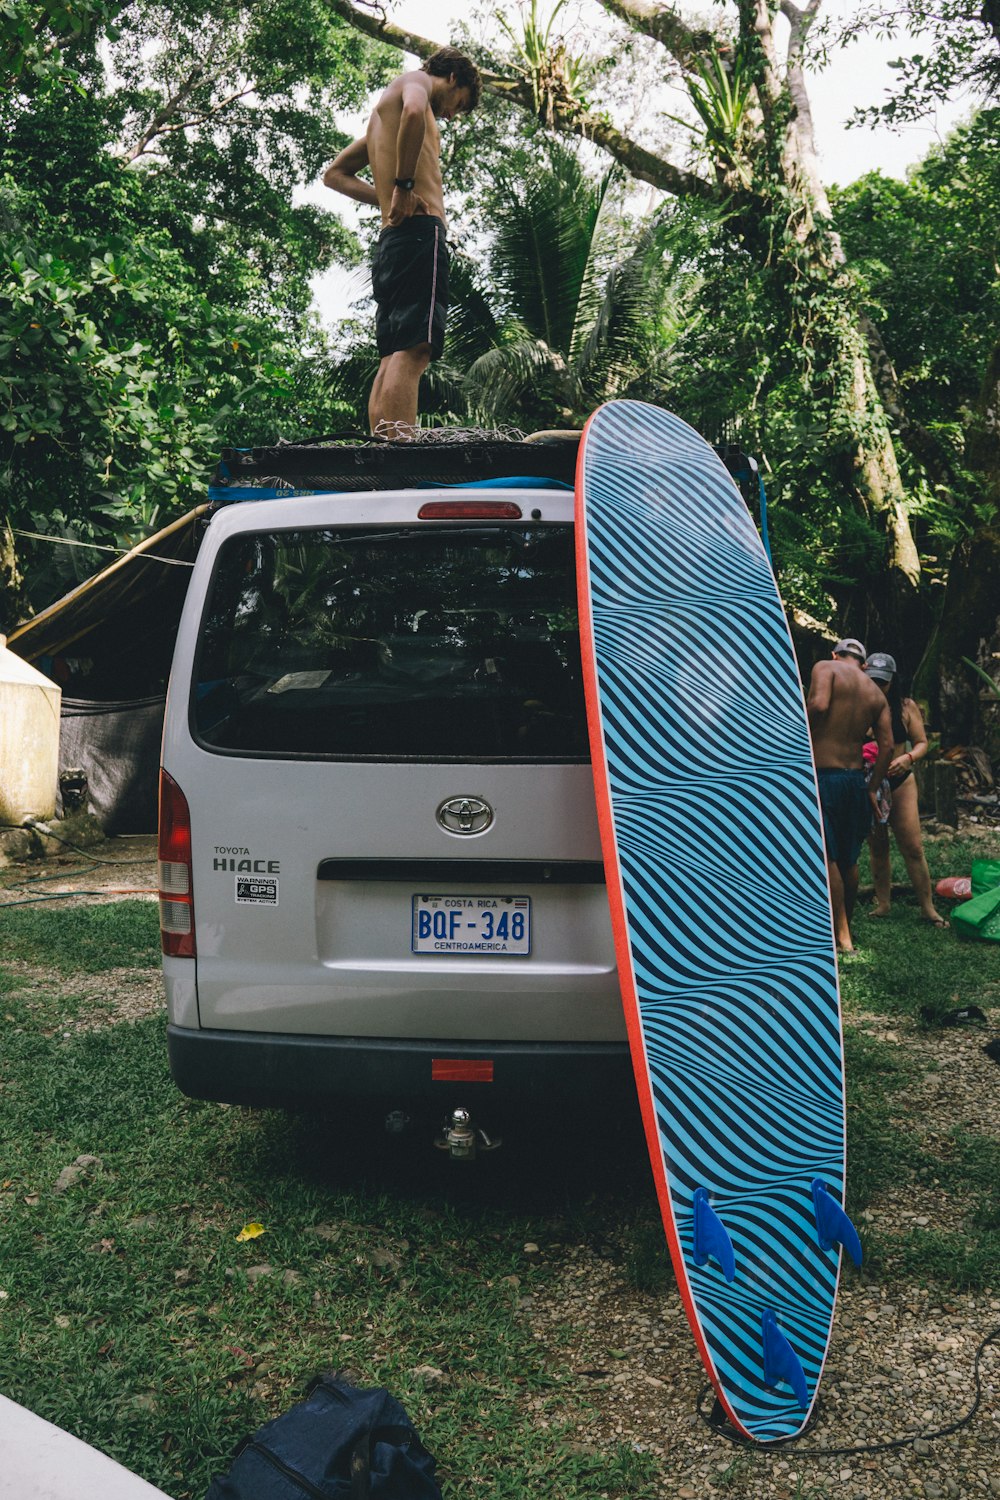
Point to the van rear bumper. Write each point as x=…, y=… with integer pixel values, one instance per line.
x=266, y=1068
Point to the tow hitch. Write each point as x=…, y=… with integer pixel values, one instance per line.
x=463, y=1140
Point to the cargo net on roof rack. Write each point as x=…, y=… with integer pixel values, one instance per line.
x=433, y=458
x=405, y=432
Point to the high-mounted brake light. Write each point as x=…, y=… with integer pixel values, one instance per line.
x=174, y=854
x=469, y=510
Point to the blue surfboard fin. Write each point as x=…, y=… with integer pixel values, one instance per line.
x=833, y=1227
x=711, y=1237
x=780, y=1360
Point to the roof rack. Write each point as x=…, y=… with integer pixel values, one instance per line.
x=390, y=465
x=350, y=463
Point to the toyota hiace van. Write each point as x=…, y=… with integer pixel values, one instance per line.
x=380, y=871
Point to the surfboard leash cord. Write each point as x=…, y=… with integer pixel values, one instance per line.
x=721, y=1427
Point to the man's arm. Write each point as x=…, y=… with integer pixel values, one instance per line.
x=820, y=692
x=342, y=173
x=409, y=144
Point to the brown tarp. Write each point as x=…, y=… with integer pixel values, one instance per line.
x=109, y=645
x=155, y=571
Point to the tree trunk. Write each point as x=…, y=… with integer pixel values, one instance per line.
x=12, y=602
x=878, y=483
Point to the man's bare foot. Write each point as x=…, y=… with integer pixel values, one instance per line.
x=879, y=911
x=934, y=919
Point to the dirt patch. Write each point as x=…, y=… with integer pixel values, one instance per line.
x=105, y=999
x=118, y=869
x=900, y=1364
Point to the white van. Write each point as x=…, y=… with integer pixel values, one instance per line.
x=380, y=868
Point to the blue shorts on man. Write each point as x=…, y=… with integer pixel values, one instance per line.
x=847, y=814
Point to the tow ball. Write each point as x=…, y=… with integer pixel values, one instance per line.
x=462, y=1140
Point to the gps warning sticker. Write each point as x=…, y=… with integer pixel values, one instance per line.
x=256, y=890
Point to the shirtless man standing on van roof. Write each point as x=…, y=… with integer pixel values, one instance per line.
x=410, y=269
x=841, y=711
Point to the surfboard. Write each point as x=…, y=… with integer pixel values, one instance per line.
x=713, y=849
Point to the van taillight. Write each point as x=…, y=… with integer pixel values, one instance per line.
x=174, y=854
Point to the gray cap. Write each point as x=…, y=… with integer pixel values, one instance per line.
x=881, y=666
x=850, y=647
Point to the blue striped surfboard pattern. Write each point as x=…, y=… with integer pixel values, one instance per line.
x=717, y=879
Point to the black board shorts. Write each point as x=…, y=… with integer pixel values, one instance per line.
x=410, y=282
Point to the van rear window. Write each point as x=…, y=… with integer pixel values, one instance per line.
x=418, y=642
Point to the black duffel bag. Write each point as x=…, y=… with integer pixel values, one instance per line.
x=340, y=1443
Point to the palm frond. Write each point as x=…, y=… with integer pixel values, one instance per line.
x=497, y=381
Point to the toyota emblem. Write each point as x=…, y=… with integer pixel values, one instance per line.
x=465, y=815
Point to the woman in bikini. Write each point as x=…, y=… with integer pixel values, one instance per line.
x=909, y=745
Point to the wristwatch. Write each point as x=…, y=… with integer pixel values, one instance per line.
x=406, y=183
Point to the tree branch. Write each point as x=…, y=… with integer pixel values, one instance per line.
x=684, y=42
x=566, y=115
x=160, y=125
x=166, y=113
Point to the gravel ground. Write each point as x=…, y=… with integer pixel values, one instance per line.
x=901, y=1360
x=900, y=1364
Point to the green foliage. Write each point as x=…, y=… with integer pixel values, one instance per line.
x=581, y=299
x=36, y=39
x=553, y=72
x=154, y=270
x=226, y=121
x=569, y=304
x=723, y=98
x=759, y=358
x=927, y=252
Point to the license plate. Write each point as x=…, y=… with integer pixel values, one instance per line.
x=472, y=926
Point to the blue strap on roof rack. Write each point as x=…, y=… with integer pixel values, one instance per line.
x=514, y=482
x=228, y=494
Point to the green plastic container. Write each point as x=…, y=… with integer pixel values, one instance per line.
x=980, y=917
x=985, y=875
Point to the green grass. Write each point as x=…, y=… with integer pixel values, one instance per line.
x=83, y=939
x=129, y=1318
x=879, y=1153
x=906, y=968
x=964, y=1259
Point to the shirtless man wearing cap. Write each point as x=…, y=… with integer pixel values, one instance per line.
x=843, y=702
x=410, y=270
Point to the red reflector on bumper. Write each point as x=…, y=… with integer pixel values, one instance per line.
x=461, y=1070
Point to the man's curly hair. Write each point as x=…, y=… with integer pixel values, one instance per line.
x=447, y=61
